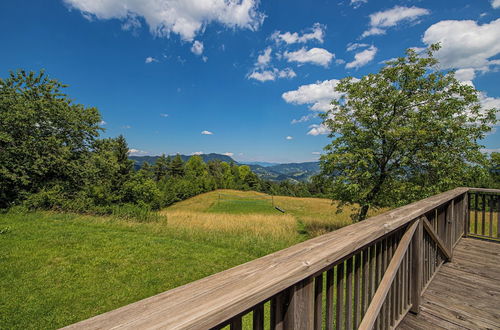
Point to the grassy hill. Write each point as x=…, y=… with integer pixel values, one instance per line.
x=224, y=209
x=59, y=268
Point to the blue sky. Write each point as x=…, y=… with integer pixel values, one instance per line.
x=241, y=77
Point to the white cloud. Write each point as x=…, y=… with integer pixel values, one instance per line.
x=382, y=20
x=102, y=123
x=354, y=46
x=230, y=154
x=197, y=153
x=490, y=150
x=264, y=58
x=318, y=95
x=317, y=32
x=185, y=18
x=197, y=47
x=137, y=152
x=357, y=3
x=465, y=75
x=318, y=130
x=465, y=44
x=316, y=153
x=164, y=115
x=126, y=126
x=150, y=59
x=319, y=56
x=289, y=137
x=495, y=4
x=272, y=74
x=362, y=58
x=304, y=119
x=207, y=133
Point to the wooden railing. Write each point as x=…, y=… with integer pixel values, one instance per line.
x=484, y=214
x=366, y=275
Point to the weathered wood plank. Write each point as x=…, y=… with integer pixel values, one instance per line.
x=436, y=239
x=329, y=299
x=462, y=295
x=212, y=300
x=381, y=293
x=318, y=302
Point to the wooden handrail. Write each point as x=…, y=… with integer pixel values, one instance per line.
x=384, y=286
x=213, y=300
x=435, y=238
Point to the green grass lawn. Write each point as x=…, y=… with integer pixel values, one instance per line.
x=57, y=269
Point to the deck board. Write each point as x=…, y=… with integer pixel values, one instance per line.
x=465, y=293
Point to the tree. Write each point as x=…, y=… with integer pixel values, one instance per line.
x=160, y=167
x=404, y=133
x=176, y=168
x=45, y=138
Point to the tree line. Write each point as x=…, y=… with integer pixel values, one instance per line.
x=51, y=157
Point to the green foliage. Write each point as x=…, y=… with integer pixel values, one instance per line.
x=402, y=134
x=44, y=137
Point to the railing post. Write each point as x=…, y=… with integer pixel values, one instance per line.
x=450, y=219
x=300, y=311
x=465, y=212
x=417, y=267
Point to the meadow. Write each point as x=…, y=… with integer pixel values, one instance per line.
x=59, y=268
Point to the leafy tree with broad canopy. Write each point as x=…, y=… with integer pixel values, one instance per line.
x=402, y=134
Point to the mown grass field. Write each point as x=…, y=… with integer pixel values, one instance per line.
x=57, y=269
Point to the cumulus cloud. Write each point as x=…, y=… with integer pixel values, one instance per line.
x=150, y=59
x=319, y=56
x=185, y=18
x=207, y=133
x=362, y=58
x=272, y=74
x=197, y=153
x=465, y=75
x=137, y=152
x=230, y=154
x=289, y=137
x=164, y=115
x=465, y=44
x=304, y=119
x=382, y=20
x=264, y=58
x=317, y=32
x=319, y=129
x=197, y=47
x=317, y=95
x=316, y=153
x=495, y=4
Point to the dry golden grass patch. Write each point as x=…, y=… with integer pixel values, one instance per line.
x=273, y=226
x=311, y=216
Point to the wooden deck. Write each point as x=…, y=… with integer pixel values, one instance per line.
x=465, y=293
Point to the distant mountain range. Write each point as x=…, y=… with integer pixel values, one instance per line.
x=265, y=170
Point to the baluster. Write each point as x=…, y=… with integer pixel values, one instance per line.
x=329, y=299
x=258, y=317
x=357, y=278
x=348, y=295
x=318, y=302
x=476, y=195
x=416, y=268
x=492, y=205
x=483, y=215
x=340, y=296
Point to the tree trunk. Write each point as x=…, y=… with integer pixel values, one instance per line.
x=363, y=212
